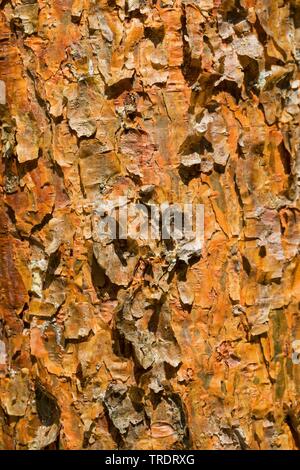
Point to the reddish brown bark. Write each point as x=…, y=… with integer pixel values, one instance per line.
x=128, y=346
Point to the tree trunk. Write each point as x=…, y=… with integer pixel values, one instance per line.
x=134, y=343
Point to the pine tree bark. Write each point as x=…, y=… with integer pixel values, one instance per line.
x=127, y=345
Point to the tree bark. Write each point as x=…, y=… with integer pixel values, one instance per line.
x=131, y=344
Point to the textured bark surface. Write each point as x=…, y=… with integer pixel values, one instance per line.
x=125, y=345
